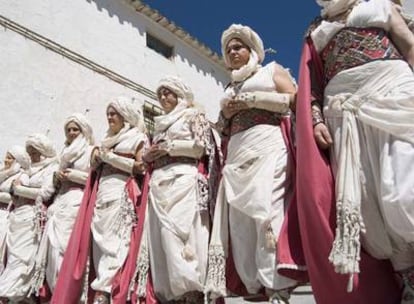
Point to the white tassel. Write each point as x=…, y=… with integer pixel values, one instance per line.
x=270, y=239
x=188, y=253
x=350, y=286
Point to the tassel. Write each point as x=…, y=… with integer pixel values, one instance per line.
x=350, y=286
x=270, y=238
x=188, y=253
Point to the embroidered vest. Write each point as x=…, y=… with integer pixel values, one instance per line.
x=351, y=47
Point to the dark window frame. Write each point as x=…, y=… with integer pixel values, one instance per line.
x=159, y=46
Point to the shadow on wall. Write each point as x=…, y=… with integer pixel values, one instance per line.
x=122, y=11
x=125, y=12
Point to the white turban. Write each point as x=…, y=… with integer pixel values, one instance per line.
x=178, y=86
x=42, y=144
x=20, y=155
x=83, y=124
x=130, y=109
x=331, y=8
x=245, y=34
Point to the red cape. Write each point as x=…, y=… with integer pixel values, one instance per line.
x=315, y=208
x=71, y=276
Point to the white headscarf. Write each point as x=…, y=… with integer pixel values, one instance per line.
x=20, y=155
x=42, y=144
x=132, y=112
x=185, y=102
x=331, y=8
x=21, y=161
x=83, y=124
x=178, y=86
x=252, y=40
x=73, y=151
x=130, y=109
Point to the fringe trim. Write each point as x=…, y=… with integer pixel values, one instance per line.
x=37, y=280
x=141, y=272
x=40, y=218
x=203, y=193
x=84, y=295
x=216, y=275
x=345, y=253
x=292, y=267
x=126, y=218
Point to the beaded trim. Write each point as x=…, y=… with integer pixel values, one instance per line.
x=351, y=47
x=249, y=118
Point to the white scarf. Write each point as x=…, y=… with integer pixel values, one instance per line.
x=36, y=167
x=73, y=152
x=248, y=69
x=6, y=173
x=163, y=122
x=111, y=140
x=332, y=8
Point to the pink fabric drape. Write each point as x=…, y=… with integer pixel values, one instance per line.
x=315, y=208
x=71, y=277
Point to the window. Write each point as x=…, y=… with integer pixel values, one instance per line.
x=150, y=111
x=159, y=46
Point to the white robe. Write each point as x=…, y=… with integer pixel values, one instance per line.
x=255, y=184
x=369, y=110
x=178, y=229
x=111, y=223
x=5, y=200
x=61, y=217
x=23, y=235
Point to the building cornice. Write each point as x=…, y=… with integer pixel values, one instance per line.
x=179, y=32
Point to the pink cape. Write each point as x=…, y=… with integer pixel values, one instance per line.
x=71, y=277
x=315, y=210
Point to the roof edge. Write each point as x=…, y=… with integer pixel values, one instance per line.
x=178, y=31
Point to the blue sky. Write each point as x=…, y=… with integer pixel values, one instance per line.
x=280, y=23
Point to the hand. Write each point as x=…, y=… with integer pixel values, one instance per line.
x=62, y=175
x=96, y=158
x=233, y=107
x=16, y=182
x=155, y=152
x=322, y=136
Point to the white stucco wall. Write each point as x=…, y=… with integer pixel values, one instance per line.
x=39, y=87
x=409, y=6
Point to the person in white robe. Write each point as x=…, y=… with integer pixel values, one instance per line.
x=68, y=184
x=15, y=162
x=256, y=178
x=364, y=114
x=25, y=219
x=178, y=219
x=120, y=154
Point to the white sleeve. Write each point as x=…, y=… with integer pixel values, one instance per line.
x=77, y=176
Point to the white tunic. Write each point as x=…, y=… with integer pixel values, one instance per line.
x=178, y=229
x=61, y=217
x=369, y=110
x=5, y=199
x=255, y=184
x=23, y=235
x=111, y=234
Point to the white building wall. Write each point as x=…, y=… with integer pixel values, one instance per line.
x=409, y=6
x=40, y=88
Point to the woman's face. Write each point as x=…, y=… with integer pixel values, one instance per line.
x=8, y=161
x=167, y=98
x=34, y=154
x=238, y=53
x=72, y=131
x=115, y=120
